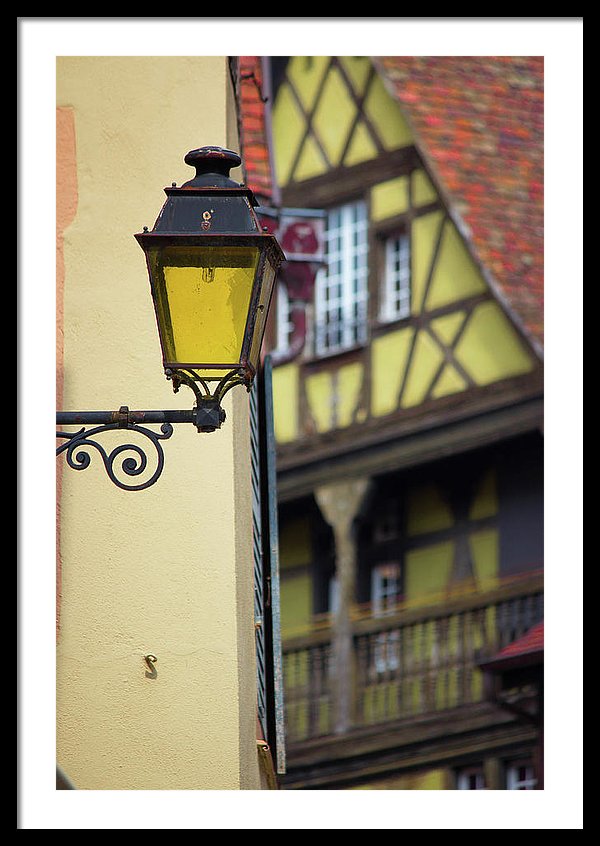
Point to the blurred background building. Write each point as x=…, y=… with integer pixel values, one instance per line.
x=408, y=380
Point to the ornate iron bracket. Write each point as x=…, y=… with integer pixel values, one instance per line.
x=79, y=445
x=207, y=416
x=209, y=413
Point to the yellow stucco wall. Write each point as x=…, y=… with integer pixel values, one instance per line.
x=166, y=571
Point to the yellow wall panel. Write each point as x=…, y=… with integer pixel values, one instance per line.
x=362, y=148
x=349, y=383
x=447, y=327
x=333, y=118
x=424, y=234
x=294, y=543
x=285, y=402
x=455, y=275
x=485, y=553
x=389, y=198
x=319, y=392
x=427, y=511
x=426, y=360
x=490, y=348
x=385, y=114
x=450, y=382
x=357, y=68
x=423, y=191
x=485, y=501
x=311, y=162
x=428, y=780
x=306, y=74
x=296, y=603
x=388, y=361
x=428, y=571
x=288, y=131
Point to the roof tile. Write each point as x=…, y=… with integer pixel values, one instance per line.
x=493, y=107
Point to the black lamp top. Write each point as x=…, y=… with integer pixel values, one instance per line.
x=212, y=167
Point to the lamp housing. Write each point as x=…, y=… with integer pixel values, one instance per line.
x=212, y=270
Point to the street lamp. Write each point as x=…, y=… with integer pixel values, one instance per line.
x=212, y=269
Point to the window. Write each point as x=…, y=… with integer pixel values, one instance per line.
x=333, y=595
x=520, y=776
x=385, y=594
x=385, y=588
x=284, y=323
x=471, y=778
x=341, y=287
x=395, y=299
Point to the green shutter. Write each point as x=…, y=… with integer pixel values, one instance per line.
x=266, y=565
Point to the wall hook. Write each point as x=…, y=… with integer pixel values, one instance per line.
x=150, y=661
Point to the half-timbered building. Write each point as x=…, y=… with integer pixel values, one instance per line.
x=406, y=343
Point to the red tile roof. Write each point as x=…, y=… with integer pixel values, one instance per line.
x=532, y=641
x=255, y=147
x=479, y=123
x=526, y=650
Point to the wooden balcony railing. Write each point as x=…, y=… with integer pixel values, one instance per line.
x=417, y=662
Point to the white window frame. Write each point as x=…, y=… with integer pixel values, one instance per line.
x=513, y=782
x=396, y=283
x=284, y=324
x=463, y=781
x=333, y=595
x=385, y=588
x=341, y=287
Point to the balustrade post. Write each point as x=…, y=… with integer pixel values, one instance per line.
x=340, y=504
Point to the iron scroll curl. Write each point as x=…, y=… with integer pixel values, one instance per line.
x=78, y=446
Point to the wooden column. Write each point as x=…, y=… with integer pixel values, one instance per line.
x=492, y=768
x=340, y=504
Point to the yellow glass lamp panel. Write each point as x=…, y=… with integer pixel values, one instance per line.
x=383, y=111
x=389, y=198
x=427, y=511
x=262, y=312
x=456, y=275
x=203, y=297
x=490, y=348
x=334, y=116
